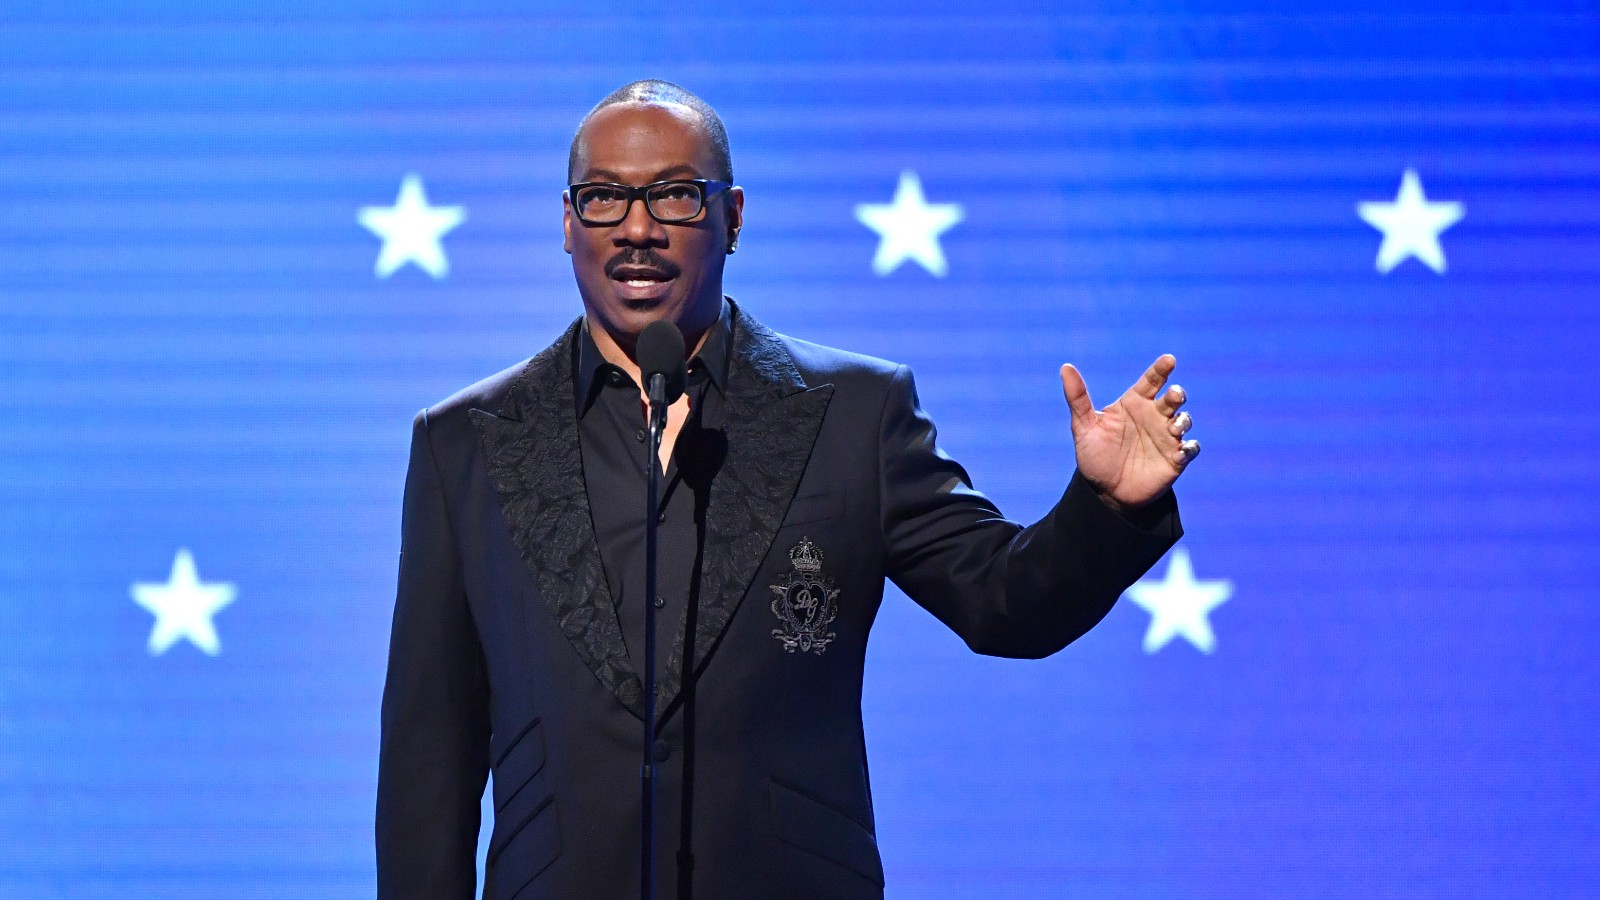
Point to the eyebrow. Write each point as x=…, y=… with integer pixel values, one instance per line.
x=663, y=175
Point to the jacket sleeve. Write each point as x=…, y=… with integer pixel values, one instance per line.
x=434, y=754
x=1005, y=589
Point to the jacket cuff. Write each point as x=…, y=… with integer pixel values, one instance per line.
x=1156, y=520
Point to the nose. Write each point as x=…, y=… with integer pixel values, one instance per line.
x=639, y=228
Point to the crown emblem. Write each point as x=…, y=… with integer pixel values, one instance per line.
x=805, y=602
x=806, y=558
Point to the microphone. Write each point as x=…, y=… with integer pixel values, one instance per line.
x=660, y=352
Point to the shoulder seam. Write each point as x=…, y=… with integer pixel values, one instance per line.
x=438, y=482
x=901, y=372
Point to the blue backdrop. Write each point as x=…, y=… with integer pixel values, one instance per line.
x=1368, y=670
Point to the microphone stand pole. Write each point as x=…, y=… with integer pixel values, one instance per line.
x=647, y=770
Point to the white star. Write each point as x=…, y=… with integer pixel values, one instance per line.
x=411, y=230
x=909, y=227
x=1179, y=605
x=183, y=606
x=1411, y=225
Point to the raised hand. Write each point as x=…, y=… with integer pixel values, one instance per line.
x=1133, y=450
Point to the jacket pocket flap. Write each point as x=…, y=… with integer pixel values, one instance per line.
x=527, y=850
x=818, y=828
x=518, y=764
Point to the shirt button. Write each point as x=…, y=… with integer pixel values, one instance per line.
x=661, y=519
x=660, y=602
x=640, y=435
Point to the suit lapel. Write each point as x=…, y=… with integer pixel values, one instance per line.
x=772, y=423
x=534, y=460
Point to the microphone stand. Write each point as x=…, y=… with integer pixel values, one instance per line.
x=660, y=355
x=657, y=389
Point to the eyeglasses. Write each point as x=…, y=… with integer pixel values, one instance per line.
x=604, y=203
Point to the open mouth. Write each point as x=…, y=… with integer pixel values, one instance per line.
x=642, y=282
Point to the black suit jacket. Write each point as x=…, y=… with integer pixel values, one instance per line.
x=506, y=654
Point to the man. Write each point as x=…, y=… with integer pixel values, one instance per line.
x=797, y=478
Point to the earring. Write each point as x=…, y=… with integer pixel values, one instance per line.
x=733, y=245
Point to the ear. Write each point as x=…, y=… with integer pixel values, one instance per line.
x=735, y=212
x=566, y=222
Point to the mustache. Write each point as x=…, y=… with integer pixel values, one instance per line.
x=643, y=257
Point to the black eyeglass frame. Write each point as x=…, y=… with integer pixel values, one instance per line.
x=708, y=188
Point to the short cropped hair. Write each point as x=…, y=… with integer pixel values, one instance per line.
x=663, y=92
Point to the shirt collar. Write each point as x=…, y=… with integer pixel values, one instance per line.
x=590, y=368
x=712, y=360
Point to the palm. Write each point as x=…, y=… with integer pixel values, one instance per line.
x=1133, y=450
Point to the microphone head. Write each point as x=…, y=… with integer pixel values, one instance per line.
x=661, y=351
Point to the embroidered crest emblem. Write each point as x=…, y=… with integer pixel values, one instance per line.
x=804, y=602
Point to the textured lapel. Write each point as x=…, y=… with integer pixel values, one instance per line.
x=534, y=460
x=772, y=423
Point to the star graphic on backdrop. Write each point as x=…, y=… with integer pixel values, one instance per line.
x=1411, y=225
x=183, y=606
x=411, y=230
x=1178, y=604
x=909, y=227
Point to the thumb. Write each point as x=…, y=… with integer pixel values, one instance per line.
x=1077, y=394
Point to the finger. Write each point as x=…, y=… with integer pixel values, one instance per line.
x=1149, y=384
x=1077, y=393
x=1180, y=424
x=1187, y=451
x=1175, y=397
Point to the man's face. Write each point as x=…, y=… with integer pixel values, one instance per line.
x=640, y=270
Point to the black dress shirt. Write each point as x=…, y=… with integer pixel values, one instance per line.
x=613, y=442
